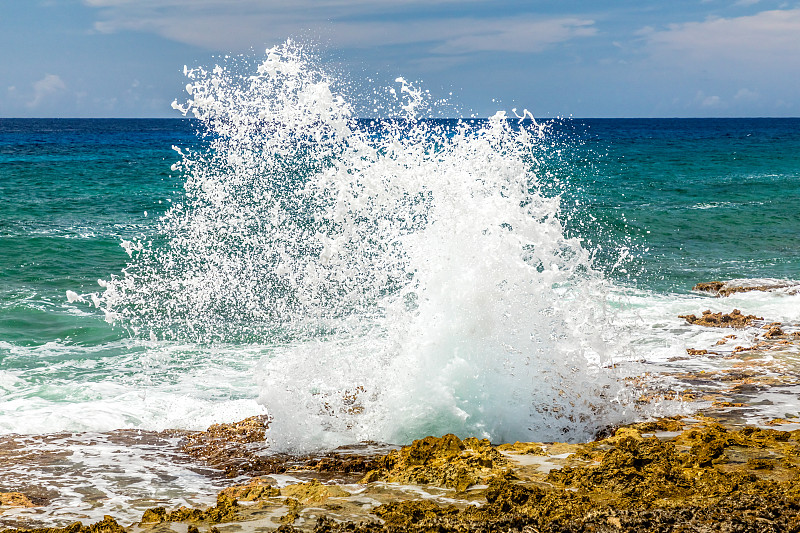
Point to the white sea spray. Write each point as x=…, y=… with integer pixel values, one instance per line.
x=410, y=277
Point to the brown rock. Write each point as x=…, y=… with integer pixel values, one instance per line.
x=447, y=462
x=523, y=448
x=734, y=319
x=224, y=511
x=107, y=525
x=710, y=286
x=726, y=288
x=774, y=333
x=257, y=489
x=313, y=492
x=15, y=499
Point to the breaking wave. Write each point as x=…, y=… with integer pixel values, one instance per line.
x=405, y=276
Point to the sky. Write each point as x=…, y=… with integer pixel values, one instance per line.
x=580, y=58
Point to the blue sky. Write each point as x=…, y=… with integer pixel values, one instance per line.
x=125, y=58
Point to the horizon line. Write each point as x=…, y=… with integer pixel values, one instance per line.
x=439, y=118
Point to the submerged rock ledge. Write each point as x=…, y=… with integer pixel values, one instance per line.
x=721, y=289
x=671, y=474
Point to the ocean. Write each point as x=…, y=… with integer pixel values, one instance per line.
x=361, y=279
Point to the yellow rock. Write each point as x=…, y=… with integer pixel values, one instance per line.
x=313, y=492
x=257, y=489
x=524, y=448
x=625, y=433
x=444, y=461
x=15, y=499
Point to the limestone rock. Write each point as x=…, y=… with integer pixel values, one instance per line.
x=446, y=461
x=313, y=492
x=734, y=319
x=15, y=499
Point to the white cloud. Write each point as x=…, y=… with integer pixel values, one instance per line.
x=769, y=39
x=512, y=35
x=261, y=5
x=45, y=88
x=745, y=94
x=237, y=26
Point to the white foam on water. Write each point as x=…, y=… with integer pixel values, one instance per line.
x=657, y=333
x=88, y=475
x=128, y=383
x=410, y=276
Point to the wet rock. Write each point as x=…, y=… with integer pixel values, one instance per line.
x=726, y=288
x=708, y=477
x=446, y=462
x=225, y=511
x=774, y=332
x=673, y=423
x=313, y=492
x=710, y=286
x=238, y=449
x=291, y=516
x=734, y=319
x=636, y=469
x=233, y=447
x=724, y=340
x=522, y=448
x=759, y=463
x=107, y=525
x=725, y=404
x=406, y=514
x=256, y=489
x=15, y=499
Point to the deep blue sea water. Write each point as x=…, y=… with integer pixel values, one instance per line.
x=661, y=204
x=706, y=198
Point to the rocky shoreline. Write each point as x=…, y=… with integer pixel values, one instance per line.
x=711, y=471
x=671, y=474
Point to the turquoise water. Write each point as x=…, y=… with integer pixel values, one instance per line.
x=71, y=190
x=692, y=199
x=700, y=199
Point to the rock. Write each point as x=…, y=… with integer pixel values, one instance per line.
x=710, y=286
x=635, y=469
x=774, y=333
x=237, y=449
x=709, y=477
x=523, y=448
x=107, y=525
x=624, y=433
x=662, y=424
x=313, y=492
x=224, y=511
x=257, y=489
x=726, y=288
x=446, y=461
x=734, y=319
x=724, y=340
x=407, y=513
x=229, y=447
x=760, y=463
x=15, y=499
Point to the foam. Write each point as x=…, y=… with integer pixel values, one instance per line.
x=410, y=277
x=128, y=383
